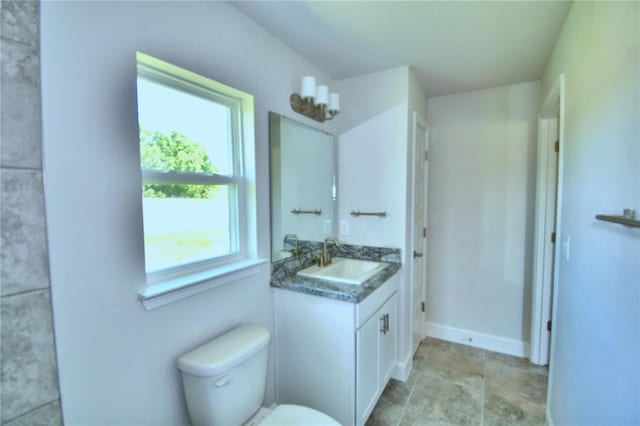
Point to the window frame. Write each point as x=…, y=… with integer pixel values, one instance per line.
x=240, y=183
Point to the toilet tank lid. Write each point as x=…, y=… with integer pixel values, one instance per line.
x=225, y=351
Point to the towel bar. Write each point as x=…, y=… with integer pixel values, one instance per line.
x=359, y=213
x=314, y=211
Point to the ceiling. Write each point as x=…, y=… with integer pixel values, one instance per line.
x=453, y=46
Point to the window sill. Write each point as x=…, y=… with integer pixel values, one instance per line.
x=169, y=291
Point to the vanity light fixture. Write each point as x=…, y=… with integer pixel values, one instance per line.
x=315, y=102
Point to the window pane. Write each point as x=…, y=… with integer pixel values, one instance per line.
x=185, y=224
x=183, y=132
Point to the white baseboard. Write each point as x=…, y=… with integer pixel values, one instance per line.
x=479, y=340
x=402, y=368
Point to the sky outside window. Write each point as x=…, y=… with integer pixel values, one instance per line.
x=167, y=110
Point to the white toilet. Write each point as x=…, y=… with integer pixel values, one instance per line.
x=224, y=382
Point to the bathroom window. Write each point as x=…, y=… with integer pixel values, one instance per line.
x=196, y=146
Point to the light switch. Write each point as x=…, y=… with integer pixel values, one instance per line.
x=326, y=227
x=344, y=228
x=567, y=249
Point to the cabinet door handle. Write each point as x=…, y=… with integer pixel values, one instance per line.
x=386, y=323
x=383, y=326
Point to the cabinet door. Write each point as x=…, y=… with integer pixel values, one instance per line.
x=388, y=340
x=367, y=367
x=315, y=354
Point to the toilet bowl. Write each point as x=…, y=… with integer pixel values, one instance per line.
x=224, y=382
x=292, y=415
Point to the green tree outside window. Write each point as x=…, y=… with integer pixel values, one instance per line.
x=176, y=152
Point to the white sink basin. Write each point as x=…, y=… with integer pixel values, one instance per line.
x=345, y=271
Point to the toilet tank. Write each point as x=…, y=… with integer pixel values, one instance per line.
x=224, y=380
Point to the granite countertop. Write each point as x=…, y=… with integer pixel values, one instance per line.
x=332, y=290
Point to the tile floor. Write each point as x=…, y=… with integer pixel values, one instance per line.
x=453, y=384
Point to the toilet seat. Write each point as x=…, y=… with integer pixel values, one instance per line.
x=297, y=415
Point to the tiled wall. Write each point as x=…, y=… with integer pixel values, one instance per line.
x=29, y=383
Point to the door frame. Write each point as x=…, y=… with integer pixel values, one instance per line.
x=546, y=257
x=417, y=121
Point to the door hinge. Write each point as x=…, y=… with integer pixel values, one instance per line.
x=553, y=238
x=548, y=325
x=557, y=146
x=426, y=155
x=424, y=232
x=423, y=307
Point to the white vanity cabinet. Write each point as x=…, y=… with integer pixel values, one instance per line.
x=332, y=355
x=375, y=356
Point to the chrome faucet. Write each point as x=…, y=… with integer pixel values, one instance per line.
x=296, y=250
x=326, y=257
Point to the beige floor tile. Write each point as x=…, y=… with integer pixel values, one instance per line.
x=504, y=411
x=506, y=380
x=398, y=392
x=459, y=363
x=385, y=414
x=456, y=385
x=439, y=401
x=413, y=421
x=420, y=357
x=512, y=361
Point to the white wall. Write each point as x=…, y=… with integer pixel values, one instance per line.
x=372, y=156
x=481, y=202
x=117, y=362
x=595, y=363
x=372, y=168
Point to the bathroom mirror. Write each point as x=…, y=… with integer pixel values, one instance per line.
x=303, y=186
